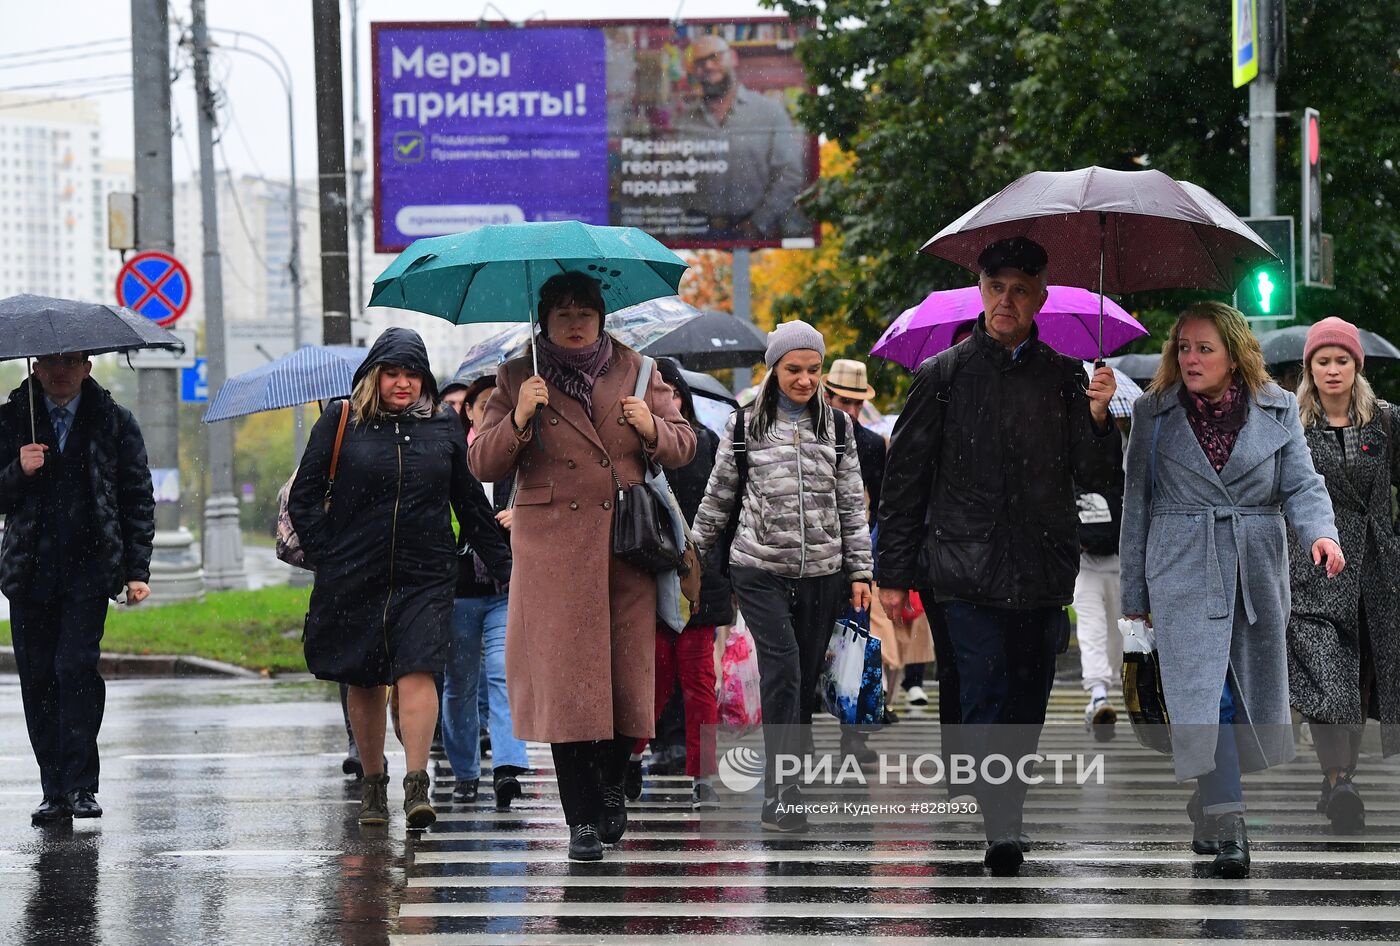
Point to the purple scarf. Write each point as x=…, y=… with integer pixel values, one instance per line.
x=1216, y=426
x=575, y=370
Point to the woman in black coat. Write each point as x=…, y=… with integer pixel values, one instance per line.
x=380, y=538
x=689, y=657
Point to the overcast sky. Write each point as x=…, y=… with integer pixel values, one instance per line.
x=256, y=138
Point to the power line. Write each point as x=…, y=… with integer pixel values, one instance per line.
x=60, y=83
x=24, y=54
x=125, y=87
x=238, y=212
x=74, y=58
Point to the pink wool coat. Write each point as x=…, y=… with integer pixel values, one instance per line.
x=580, y=636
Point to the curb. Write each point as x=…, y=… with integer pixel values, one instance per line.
x=129, y=666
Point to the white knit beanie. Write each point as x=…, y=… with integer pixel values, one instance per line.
x=790, y=336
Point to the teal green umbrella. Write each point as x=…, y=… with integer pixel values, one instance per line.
x=494, y=274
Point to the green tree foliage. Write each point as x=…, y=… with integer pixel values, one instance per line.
x=944, y=102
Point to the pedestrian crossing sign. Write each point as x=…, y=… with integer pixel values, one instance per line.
x=1244, y=44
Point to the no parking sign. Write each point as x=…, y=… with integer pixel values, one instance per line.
x=156, y=285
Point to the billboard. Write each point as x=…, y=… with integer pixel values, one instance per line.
x=684, y=131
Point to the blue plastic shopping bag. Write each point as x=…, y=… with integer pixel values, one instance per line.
x=852, y=679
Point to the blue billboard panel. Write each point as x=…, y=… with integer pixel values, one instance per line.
x=476, y=127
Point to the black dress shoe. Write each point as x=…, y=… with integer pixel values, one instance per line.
x=506, y=785
x=613, y=825
x=51, y=810
x=83, y=804
x=1204, y=833
x=584, y=844
x=1003, y=857
x=1345, y=809
x=466, y=790
x=1232, y=862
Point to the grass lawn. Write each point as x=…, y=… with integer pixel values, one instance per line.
x=260, y=630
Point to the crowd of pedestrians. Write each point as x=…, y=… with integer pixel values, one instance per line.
x=1251, y=528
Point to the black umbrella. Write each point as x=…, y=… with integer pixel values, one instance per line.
x=708, y=386
x=714, y=340
x=1283, y=345
x=34, y=326
x=1140, y=368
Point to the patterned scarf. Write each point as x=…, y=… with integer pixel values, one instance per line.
x=1216, y=426
x=422, y=409
x=575, y=370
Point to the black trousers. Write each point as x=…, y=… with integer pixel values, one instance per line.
x=950, y=741
x=1006, y=667
x=583, y=768
x=57, y=646
x=791, y=621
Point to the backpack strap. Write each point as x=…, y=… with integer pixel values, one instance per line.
x=841, y=434
x=739, y=442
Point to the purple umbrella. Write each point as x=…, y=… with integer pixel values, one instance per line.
x=1117, y=231
x=1067, y=324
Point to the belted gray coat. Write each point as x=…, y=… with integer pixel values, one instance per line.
x=1206, y=554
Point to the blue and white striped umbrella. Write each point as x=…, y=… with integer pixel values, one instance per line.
x=312, y=373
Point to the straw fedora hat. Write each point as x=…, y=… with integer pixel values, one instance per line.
x=847, y=379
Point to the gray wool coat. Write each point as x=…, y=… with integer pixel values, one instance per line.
x=1206, y=555
x=1324, y=641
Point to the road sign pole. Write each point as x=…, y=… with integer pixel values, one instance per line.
x=175, y=570
x=223, y=538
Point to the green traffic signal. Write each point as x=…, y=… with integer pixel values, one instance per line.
x=1265, y=289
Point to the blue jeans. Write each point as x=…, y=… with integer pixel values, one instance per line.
x=478, y=649
x=1221, y=792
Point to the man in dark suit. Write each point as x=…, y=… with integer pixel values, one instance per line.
x=79, y=525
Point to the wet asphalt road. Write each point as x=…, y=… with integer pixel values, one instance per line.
x=228, y=821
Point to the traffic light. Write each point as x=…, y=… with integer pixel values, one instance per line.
x=1267, y=292
x=1313, y=268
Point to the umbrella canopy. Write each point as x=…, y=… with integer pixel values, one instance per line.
x=493, y=274
x=312, y=373
x=1286, y=344
x=709, y=387
x=636, y=326
x=1117, y=231
x=714, y=340
x=31, y=326
x=1067, y=322
x=1140, y=368
x=1121, y=404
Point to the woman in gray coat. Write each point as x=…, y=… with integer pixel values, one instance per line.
x=1344, y=636
x=1216, y=462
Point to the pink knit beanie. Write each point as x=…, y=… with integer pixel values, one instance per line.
x=1334, y=331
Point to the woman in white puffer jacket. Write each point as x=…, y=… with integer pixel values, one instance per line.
x=801, y=549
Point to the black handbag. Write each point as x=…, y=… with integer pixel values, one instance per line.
x=643, y=534
x=641, y=529
x=1146, y=702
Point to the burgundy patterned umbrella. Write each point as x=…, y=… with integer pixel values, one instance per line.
x=1112, y=231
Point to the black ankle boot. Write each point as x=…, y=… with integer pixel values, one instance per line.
x=505, y=783
x=584, y=844
x=1232, y=862
x=613, y=825
x=1204, y=836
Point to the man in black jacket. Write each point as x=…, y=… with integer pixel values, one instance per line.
x=79, y=523
x=981, y=474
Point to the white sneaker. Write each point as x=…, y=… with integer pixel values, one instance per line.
x=916, y=696
x=1100, y=718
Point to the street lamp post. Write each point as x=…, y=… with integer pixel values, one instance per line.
x=284, y=75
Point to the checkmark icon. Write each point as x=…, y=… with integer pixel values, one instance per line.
x=408, y=147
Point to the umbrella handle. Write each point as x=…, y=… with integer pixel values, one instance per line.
x=33, y=435
x=1103, y=233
